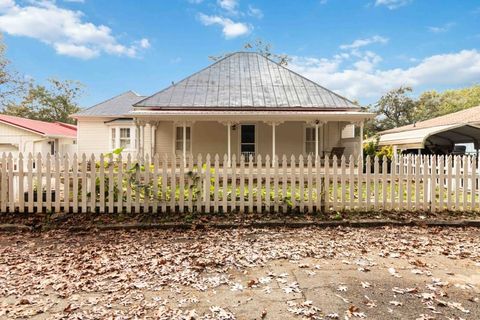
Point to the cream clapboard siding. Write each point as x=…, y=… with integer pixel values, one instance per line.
x=15, y=139
x=164, y=138
x=93, y=136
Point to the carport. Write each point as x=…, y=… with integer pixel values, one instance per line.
x=437, y=139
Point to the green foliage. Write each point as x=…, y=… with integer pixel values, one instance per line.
x=396, y=108
x=372, y=149
x=54, y=102
x=433, y=104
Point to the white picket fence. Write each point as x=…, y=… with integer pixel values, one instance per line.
x=209, y=184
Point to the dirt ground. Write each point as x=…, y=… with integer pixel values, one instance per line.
x=341, y=273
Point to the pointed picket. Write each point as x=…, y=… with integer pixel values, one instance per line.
x=233, y=193
x=293, y=182
x=335, y=183
x=276, y=178
x=225, y=183
x=207, y=183
x=343, y=174
x=250, y=183
x=216, y=183
x=66, y=184
x=326, y=187
x=21, y=184
x=119, y=202
x=309, y=184
x=241, y=177
x=284, y=184
x=181, y=184
x=267, y=183
x=259, y=177
x=351, y=182
x=301, y=184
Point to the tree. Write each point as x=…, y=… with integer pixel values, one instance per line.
x=433, y=104
x=395, y=109
x=261, y=47
x=11, y=84
x=54, y=102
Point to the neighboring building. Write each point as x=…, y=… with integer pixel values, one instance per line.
x=242, y=104
x=33, y=136
x=437, y=135
x=108, y=125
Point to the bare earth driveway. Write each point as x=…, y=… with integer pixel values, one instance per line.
x=341, y=273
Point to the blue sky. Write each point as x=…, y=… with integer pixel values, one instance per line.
x=359, y=48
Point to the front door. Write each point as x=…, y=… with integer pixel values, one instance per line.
x=247, y=143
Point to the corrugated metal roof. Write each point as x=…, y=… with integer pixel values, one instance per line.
x=246, y=80
x=117, y=106
x=454, y=133
x=470, y=115
x=41, y=127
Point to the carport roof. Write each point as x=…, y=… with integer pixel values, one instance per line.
x=415, y=139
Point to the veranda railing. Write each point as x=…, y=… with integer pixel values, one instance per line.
x=208, y=184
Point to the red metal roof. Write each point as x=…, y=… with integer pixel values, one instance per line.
x=41, y=127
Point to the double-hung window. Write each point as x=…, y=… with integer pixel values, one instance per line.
x=309, y=140
x=125, y=138
x=122, y=137
x=179, y=140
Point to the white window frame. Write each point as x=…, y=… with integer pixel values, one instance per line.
x=180, y=152
x=133, y=134
x=305, y=128
x=239, y=137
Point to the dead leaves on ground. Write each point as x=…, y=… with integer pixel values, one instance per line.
x=118, y=274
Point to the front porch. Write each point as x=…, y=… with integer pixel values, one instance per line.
x=251, y=136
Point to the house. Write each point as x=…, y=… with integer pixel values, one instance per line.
x=437, y=135
x=243, y=104
x=33, y=136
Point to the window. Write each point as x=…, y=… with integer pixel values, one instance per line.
x=125, y=138
x=348, y=131
x=52, y=147
x=179, y=139
x=122, y=137
x=247, y=140
x=310, y=140
x=114, y=138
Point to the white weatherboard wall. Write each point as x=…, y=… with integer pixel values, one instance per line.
x=93, y=136
x=13, y=139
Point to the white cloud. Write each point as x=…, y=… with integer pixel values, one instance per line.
x=392, y=4
x=75, y=50
x=255, y=12
x=364, y=42
x=228, y=5
x=362, y=79
x=77, y=1
x=446, y=27
x=230, y=28
x=63, y=29
x=144, y=43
